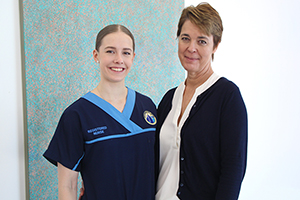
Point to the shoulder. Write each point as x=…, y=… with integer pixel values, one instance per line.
x=168, y=96
x=224, y=83
x=165, y=104
x=170, y=92
x=79, y=108
x=142, y=96
x=228, y=93
x=223, y=87
x=77, y=105
x=144, y=101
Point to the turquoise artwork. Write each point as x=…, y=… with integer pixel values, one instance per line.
x=59, y=37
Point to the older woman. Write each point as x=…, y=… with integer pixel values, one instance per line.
x=202, y=123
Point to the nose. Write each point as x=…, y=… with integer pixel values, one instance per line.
x=118, y=59
x=192, y=47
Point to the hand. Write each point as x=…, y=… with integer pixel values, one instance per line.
x=81, y=191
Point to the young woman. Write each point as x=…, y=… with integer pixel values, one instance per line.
x=108, y=134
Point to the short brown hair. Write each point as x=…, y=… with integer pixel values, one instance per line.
x=112, y=29
x=206, y=18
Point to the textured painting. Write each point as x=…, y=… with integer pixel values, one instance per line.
x=59, y=38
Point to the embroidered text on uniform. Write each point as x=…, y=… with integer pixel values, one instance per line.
x=98, y=130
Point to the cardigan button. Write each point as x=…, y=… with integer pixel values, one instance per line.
x=182, y=158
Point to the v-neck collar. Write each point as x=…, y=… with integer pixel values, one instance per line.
x=178, y=96
x=122, y=117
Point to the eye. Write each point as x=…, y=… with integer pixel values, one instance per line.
x=109, y=51
x=127, y=53
x=202, y=42
x=185, y=39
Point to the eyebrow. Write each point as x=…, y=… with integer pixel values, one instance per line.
x=111, y=47
x=199, y=37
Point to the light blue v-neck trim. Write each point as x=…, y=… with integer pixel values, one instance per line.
x=130, y=101
x=122, y=117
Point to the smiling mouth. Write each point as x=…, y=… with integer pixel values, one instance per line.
x=117, y=69
x=192, y=59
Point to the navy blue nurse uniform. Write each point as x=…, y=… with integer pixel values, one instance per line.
x=113, y=151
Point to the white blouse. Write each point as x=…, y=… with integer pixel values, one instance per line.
x=168, y=179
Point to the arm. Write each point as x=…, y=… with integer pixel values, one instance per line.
x=233, y=138
x=67, y=183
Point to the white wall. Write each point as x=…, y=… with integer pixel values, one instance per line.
x=259, y=52
x=12, y=170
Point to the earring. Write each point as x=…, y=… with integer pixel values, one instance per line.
x=97, y=61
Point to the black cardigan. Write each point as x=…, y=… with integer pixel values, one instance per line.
x=213, y=148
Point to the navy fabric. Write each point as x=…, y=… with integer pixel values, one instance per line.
x=213, y=149
x=115, y=156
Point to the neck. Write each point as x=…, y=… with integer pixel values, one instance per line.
x=194, y=80
x=115, y=94
x=111, y=92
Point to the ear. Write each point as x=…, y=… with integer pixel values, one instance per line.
x=95, y=55
x=133, y=57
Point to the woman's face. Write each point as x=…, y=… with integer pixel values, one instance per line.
x=115, y=56
x=195, y=49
